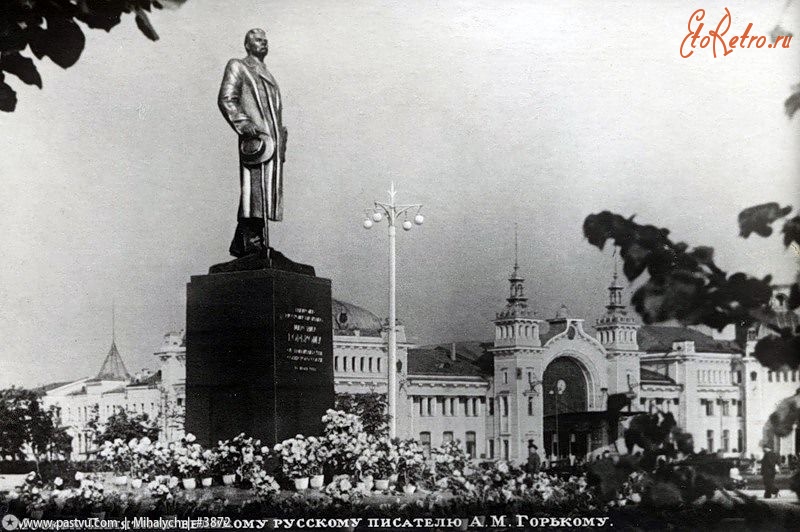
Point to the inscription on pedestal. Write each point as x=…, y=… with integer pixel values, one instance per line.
x=259, y=355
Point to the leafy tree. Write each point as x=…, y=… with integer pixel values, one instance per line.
x=126, y=427
x=685, y=284
x=50, y=28
x=371, y=408
x=171, y=415
x=28, y=430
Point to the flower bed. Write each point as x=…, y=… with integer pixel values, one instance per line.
x=366, y=476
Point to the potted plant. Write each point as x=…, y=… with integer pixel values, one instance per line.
x=210, y=469
x=317, y=456
x=142, y=461
x=385, y=466
x=162, y=491
x=227, y=460
x=410, y=465
x=117, y=456
x=190, y=462
x=92, y=492
x=295, y=460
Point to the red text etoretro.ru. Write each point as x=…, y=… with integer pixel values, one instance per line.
x=720, y=42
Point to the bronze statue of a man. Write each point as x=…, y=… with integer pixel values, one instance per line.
x=250, y=100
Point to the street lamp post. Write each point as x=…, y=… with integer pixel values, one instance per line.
x=392, y=211
x=555, y=392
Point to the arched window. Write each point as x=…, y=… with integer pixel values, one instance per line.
x=336, y=363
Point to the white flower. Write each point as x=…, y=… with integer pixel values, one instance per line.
x=78, y=475
x=58, y=481
x=190, y=437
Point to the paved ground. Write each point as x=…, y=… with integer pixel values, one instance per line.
x=9, y=482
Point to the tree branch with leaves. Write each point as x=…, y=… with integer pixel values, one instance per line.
x=53, y=29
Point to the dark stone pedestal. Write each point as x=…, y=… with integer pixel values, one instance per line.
x=259, y=355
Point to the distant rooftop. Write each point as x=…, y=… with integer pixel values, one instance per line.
x=471, y=359
x=659, y=339
x=113, y=368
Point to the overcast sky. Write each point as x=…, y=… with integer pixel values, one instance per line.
x=119, y=179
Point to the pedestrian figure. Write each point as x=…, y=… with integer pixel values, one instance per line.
x=768, y=464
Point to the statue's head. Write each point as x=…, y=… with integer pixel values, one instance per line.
x=255, y=42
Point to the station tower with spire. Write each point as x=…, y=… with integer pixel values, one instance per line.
x=617, y=331
x=517, y=369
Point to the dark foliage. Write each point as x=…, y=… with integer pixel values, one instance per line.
x=50, y=28
x=126, y=427
x=27, y=428
x=759, y=218
x=792, y=103
x=371, y=408
x=685, y=283
x=657, y=434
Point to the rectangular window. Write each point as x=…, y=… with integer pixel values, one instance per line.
x=335, y=363
x=740, y=440
x=344, y=363
x=447, y=437
x=726, y=411
x=470, y=439
x=726, y=441
x=739, y=409
x=505, y=450
x=429, y=402
x=505, y=376
x=710, y=440
x=530, y=406
x=491, y=406
x=769, y=376
x=425, y=440
x=180, y=401
x=491, y=448
x=504, y=408
x=709, y=406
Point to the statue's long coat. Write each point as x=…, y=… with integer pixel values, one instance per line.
x=249, y=93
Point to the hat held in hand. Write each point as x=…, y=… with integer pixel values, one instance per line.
x=256, y=150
